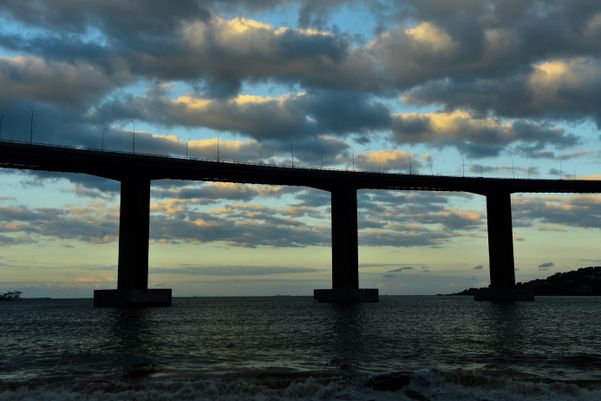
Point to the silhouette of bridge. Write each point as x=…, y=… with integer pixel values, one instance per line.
x=136, y=171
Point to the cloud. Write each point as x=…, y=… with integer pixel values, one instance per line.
x=386, y=160
x=545, y=265
x=401, y=269
x=474, y=135
x=231, y=270
x=54, y=82
x=479, y=267
x=213, y=191
x=479, y=72
x=82, y=224
x=573, y=211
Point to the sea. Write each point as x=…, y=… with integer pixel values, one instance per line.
x=292, y=348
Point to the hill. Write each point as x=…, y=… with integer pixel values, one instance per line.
x=584, y=281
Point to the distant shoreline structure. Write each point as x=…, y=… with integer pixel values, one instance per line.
x=10, y=296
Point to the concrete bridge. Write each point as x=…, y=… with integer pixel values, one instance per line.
x=136, y=171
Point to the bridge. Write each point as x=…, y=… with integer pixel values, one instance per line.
x=136, y=171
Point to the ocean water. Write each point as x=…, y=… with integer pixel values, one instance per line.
x=291, y=348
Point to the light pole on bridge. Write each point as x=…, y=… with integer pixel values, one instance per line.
x=133, y=138
x=1, y=118
x=31, y=126
x=102, y=138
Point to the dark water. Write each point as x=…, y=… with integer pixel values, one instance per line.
x=292, y=348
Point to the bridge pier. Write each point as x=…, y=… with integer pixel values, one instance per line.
x=500, y=252
x=345, y=257
x=132, y=281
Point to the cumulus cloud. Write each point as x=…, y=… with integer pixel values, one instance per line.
x=56, y=82
x=575, y=211
x=480, y=63
x=385, y=160
x=477, y=136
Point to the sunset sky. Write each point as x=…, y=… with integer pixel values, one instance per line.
x=507, y=88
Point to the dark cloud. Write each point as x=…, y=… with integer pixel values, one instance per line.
x=545, y=265
x=401, y=269
x=476, y=136
x=80, y=62
x=479, y=267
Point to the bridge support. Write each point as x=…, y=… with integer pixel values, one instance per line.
x=345, y=260
x=500, y=252
x=132, y=282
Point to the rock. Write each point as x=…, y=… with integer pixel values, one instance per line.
x=414, y=395
x=389, y=381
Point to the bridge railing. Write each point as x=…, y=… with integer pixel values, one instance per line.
x=228, y=161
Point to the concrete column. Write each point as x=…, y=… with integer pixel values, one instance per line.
x=500, y=252
x=134, y=223
x=345, y=250
x=345, y=257
x=500, y=240
x=132, y=281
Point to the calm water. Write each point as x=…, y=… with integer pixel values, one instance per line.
x=292, y=348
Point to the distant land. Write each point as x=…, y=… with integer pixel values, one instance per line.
x=584, y=281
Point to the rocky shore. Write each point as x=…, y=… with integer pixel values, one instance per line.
x=584, y=281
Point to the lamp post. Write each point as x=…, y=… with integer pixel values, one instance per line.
x=1, y=118
x=31, y=126
x=133, y=137
x=217, y=148
x=261, y=155
x=102, y=138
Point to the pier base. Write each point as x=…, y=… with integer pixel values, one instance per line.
x=504, y=295
x=347, y=295
x=133, y=297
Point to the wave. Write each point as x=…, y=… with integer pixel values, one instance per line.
x=424, y=385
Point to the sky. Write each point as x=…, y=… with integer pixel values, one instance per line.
x=506, y=88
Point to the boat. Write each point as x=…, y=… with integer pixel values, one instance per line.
x=10, y=296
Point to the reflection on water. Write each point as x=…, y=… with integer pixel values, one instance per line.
x=131, y=341
x=243, y=336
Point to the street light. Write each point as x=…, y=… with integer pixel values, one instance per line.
x=31, y=126
x=133, y=139
x=1, y=118
x=261, y=154
x=102, y=138
x=188, y=140
x=218, y=148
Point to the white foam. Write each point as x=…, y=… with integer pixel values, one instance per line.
x=462, y=385
x=204, y=390
x=434, y=385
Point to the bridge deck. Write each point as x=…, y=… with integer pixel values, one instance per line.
x=121, y=165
